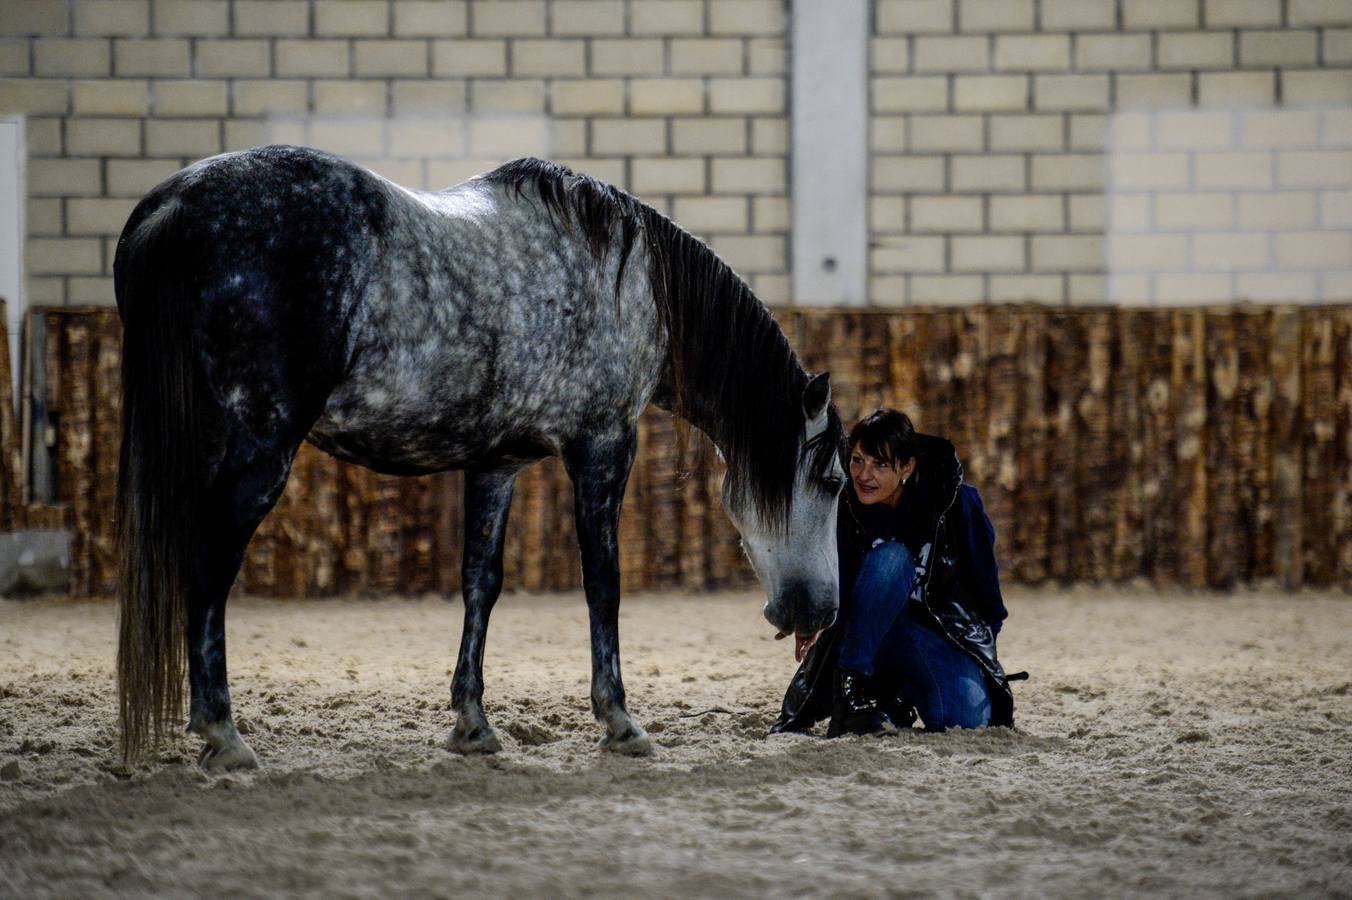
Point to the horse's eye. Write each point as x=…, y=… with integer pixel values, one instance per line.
x=833, y=484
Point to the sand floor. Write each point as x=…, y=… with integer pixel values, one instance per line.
x=1165, y=745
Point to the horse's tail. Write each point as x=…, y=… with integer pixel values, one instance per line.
x=158, y=483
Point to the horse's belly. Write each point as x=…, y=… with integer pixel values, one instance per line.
x=402, y=437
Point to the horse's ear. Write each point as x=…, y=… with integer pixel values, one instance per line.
x=816, y=395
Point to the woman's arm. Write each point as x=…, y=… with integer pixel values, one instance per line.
x=980, y=574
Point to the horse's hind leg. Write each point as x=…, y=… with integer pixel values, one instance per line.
x=488, y=497
x=599, y=466
x=239, y=498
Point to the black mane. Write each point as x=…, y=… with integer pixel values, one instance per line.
x=733, y=373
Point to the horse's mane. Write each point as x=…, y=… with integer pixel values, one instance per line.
x=734, y=374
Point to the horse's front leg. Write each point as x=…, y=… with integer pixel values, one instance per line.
x=488, y=496
x=599, y=467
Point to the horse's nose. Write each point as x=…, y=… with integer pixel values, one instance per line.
x=808, y=607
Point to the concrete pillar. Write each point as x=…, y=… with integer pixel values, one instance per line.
x=829, y=152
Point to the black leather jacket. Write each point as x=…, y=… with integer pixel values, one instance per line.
x=938, y=593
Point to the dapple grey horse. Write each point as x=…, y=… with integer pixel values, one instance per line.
x=282, y=294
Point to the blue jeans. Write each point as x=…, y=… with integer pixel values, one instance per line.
x=945, y=685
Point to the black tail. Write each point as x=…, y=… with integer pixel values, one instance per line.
x=159, y=479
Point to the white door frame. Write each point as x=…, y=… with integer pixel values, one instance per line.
x=13, y=202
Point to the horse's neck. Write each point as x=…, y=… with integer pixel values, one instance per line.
x=706, y=407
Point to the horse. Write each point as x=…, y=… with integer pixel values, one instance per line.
x=281, y=294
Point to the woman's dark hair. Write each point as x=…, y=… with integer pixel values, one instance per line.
x=886, y=435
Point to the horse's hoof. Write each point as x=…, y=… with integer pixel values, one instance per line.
x=236, y=755
x=478, y=740
x=632, y=743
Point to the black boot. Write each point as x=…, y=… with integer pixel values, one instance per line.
x=854, y=708
x=898, y=709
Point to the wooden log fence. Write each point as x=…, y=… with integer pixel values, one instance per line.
x=1193, y=448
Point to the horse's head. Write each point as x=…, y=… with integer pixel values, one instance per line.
x=796, y=558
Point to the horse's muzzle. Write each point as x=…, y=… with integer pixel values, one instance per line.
x=802, y=608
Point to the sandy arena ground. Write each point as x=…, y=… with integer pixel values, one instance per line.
x=1166, y=745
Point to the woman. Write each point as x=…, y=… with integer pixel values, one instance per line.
x=920, y=597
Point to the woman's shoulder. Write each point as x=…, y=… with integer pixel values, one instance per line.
x=968, y=495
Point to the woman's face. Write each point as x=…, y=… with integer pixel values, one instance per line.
x=876, y=481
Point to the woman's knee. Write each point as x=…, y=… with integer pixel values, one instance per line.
x=963, y=704
x=889, y=559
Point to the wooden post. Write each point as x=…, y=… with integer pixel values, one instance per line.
x=75, y=447
x=1003, y=431
x=1032, y=538
x=567, y=565
x=1318, y=387
x=1189, y=390
x=38, y=466
x=814, y=341
x=56, y=374
x=1066, y=375
x=1287, y=464
x=903, y=363
x=1099, y=482
x=938, y=402
x=531, y=486
x=354, y=489
x=874, y=360
x=694, y=549
x=450, y=531
x=664, y=515
x=844, y=335
x=1160, y=499
x=1129, y=390
x=323, y=551
x=1222, y=450
x=420, y=539
x=1342, y=506
x=970, y=409
x=107, y=389
x=1253, y=437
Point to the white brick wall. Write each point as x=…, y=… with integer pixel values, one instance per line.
x=996, y=126
x=1215, y=206
x=682, y=101
x=1081, y=151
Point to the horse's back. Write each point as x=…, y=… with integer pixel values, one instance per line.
x=491, y=332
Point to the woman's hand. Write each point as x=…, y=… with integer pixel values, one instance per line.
x=801, y=643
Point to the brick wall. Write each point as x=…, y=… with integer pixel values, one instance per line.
x=1014, y=143
x=683, y=102
x=1207, y=205
x=1077, y=151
